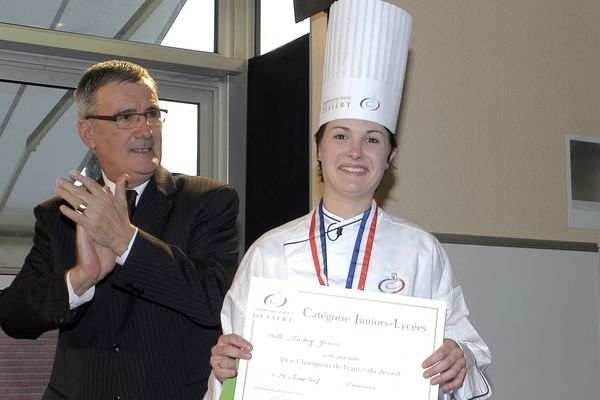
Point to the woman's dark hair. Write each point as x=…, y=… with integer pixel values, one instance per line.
x=319, y=137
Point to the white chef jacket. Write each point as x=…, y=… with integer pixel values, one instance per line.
x=405, y=261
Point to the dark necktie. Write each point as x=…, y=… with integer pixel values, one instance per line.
x=131, y=195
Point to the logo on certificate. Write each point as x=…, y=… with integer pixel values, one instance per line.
x=392, y=285
x=275, y=300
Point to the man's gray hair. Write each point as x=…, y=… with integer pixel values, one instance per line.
x=105, y=72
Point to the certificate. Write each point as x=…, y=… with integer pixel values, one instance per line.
x=314, y=342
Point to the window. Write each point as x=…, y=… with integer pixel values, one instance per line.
x=188, y=24
x=278, y=25
x=180, y=137
x=194, y=27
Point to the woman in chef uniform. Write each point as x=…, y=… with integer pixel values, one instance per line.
x=347, y=240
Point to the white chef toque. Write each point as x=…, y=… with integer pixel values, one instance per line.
x=365, y=61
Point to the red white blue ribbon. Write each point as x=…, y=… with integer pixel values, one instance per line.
x=322, y=273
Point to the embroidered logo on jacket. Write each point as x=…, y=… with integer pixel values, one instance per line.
x=392, y=285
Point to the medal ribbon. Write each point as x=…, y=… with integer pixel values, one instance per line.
x=355, y=252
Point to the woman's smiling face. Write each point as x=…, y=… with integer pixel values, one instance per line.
x=354, y=155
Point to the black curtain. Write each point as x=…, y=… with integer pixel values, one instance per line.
x=278, y=141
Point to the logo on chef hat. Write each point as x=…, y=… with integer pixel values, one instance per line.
x=370, y=104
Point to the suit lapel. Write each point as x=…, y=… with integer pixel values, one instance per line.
x=153, y=208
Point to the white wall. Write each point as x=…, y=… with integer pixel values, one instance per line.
x=537, y=310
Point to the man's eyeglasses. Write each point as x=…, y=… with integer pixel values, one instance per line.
x=132, y=120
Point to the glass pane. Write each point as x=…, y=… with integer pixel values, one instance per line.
x=194, y=27
x=180, y=138
x=188, y=24
x=278, y=25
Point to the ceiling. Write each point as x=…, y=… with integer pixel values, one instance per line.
x=38, y=140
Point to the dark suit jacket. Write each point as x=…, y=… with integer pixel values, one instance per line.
x=148, y=331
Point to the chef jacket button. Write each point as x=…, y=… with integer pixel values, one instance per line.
x=116, y=348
